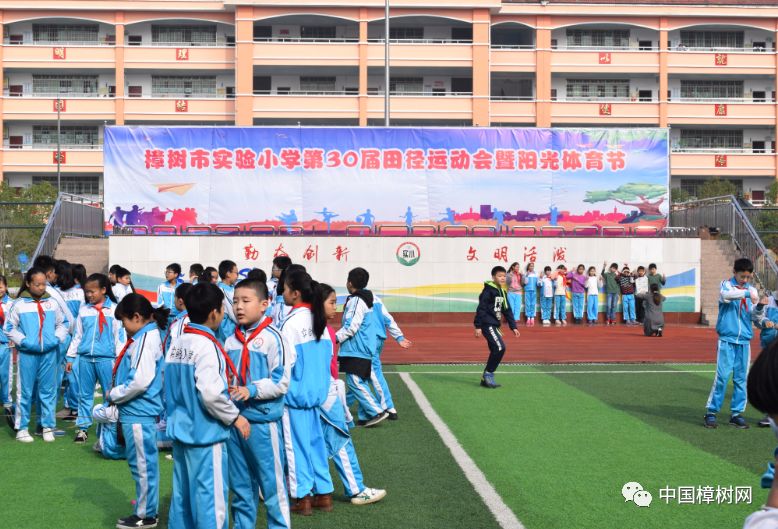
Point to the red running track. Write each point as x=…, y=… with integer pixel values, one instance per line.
x=445, y=343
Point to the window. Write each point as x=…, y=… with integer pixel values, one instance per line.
x=76, y=185
x=406, y=84
x=712, y=39
x=711, y=139
x=321, y=85
x=183, y=86
x=317, y=32
x=189, y=35
x=697, y=89
x=46, y=135
x=64, y=33
x=406, y=33
x=263, y=32
x=598, y=38
x=77, y=85
x=594, y=89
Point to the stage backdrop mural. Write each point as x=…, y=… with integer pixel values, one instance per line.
x=325, y=179
x=416, y=274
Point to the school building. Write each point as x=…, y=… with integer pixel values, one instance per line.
x=707, y=69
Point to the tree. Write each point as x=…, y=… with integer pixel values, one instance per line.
x=772, y=194
x=716, y=187
x=640, y=192
x=17, y=240
x=678, y=195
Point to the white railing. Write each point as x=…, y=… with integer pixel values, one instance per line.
x=307, y=40
x=631, y=47
x=218, y=43
x=512, y=46
x=422, y=41
x=58, y=43
x=53, y=146
x=304, y=93
x=512, y=98
x=167, y=95
x=720, y=150
x=606, y=99
x=55, y=95
x=719, y=100
x=727, y=49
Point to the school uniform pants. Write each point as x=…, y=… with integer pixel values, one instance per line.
x=378, y=380
x=257, y=466
x=140, y=440
x=611, y=301
x=35, y=378
x=107, y=418
x=347, y=465
x=496, y=345
x=514, y=300
x=559, y=307
x=530, y=302
x=200, y=487
x=546, y=305
x=71, y=390
x=61, y=355
x=306, y=453
x=640, y=310
x=732, y=359
x=628, y=307
x=5, y=374
x=89, y=372
x=578, y=305
x=592, y=302
x=358, y=389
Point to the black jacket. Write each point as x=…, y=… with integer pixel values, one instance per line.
x=492, y=305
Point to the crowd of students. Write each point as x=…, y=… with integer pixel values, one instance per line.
x=239, y=377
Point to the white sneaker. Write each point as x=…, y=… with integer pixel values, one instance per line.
x=368, y=496
x=23, y=436
x=48, y=435
x=546, y=323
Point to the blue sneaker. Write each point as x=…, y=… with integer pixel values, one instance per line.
x=487, y=381
x=710, y=421
x=739, y=422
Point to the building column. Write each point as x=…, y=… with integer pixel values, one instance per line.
x=663, y=79
x=119, y=68
x=244, y=65
x=2, y=82
x=543, y=71
x=363, y=48
x=481, y=69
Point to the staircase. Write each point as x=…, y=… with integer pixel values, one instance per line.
x=91, y=252
x=716, y=263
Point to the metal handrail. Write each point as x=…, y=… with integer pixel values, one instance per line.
x=726, y=214
x=455, y=227
x=227, y=229
x=196, y=230
x=515, y=229
x=360, y=228
x=71, y=215
x=259, y=229
x=586, y=230
x=433, y=230
x=483, y=230
x=165, y=229
x=613, y=230
x=645, y=231
x=559, y=230
x=133, y=227
x=390, y=227
x=291, y=230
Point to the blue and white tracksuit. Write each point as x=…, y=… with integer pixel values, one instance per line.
x=229, y=321
x=560, y=299
x=335, y=418
x=257, y=463
x=357, y=338
x=137, y=391
x=74, y=299
x=546, y=298
x=6, y=365
x=306, y=453
x=107, y=419
x=96, y=350
x=36, y=327
x=592, y=297
x=761, y=315
x=199, y=416
x=175, y=329
x=530, y=280
x=734, y=351
x=166, y=297
x=383, y=320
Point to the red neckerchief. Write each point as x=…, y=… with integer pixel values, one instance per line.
x=302, y=305
x=232, y=373
x=244, y=353
x=41, y=317
x=2, y=316
x=120, y=358
x=743, y=302
x=101, y=321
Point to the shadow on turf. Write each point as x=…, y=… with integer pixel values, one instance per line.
x=104, y=496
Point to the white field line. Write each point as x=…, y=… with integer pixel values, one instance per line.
x=504, y=515
x=570, y=372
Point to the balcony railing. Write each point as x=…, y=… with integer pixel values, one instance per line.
x=579, y=99
x=89, y=43
x=604, y=48
x=422, y=41
x=720, y=150
x=179, y=95
x=53, y=146
x=218, y=43
x=61, y=95
x=512, y=46
x=726, y=49
x=304, y=40
x=721, y=100
x=353, y=94
x=512, y=98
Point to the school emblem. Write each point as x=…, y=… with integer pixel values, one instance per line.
x=48, y=305
x=408, y=254
x=257, y=344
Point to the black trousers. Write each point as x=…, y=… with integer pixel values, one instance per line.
x=496, y=347
x=640, y=311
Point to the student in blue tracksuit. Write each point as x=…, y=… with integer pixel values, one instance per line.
x=736, y=300
x=357, y=339
x=137, y=392
x=765, y=318
x=73, y=295
x=176, y=327
x=35, y=324
x=306, y=452
x=384, y=319
x=97, y=337
x=278, y=309
x=200, y=415
x=228, y=276
x=275, y=287
x=6, y=367
x=166, y=291
x=262, y=360
x=546, y=296
x=530, y=280
x=336, y=417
